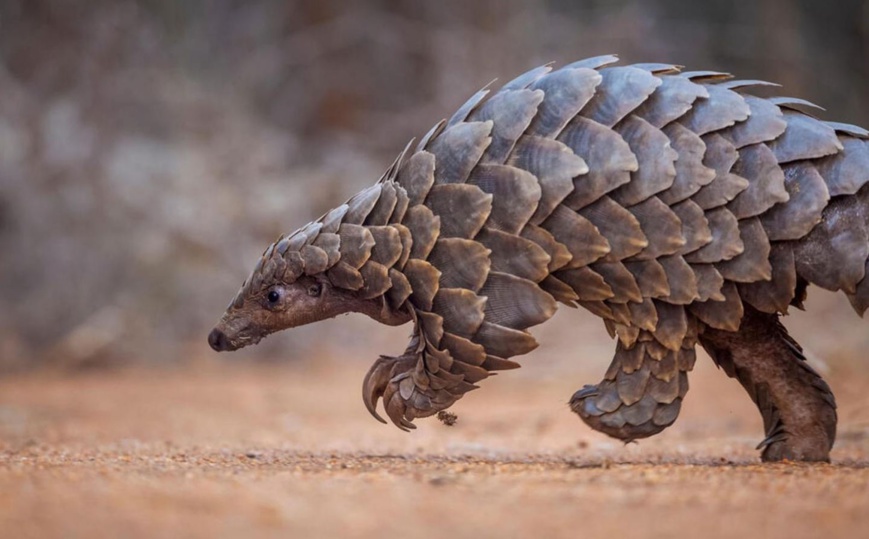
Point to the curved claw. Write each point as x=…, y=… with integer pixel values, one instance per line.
x=374, y=384
x=395, y=410
x=382, y=381
x=405, y=395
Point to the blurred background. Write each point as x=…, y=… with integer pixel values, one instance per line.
x=149, y=150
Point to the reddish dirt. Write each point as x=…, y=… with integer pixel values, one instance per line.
x=228, y=449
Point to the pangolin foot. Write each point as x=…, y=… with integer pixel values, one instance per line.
x=779, y=446
x=408, y=390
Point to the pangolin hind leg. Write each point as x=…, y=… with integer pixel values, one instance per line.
x=642, y=391
x=798, y=408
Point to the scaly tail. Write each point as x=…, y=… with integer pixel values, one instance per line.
x=641, y=393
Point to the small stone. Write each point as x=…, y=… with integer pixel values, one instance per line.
x=447, y=418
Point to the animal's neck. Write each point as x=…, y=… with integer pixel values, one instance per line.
x=379, y=310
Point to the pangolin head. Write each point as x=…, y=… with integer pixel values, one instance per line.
x=299, y=280
x=277, y=295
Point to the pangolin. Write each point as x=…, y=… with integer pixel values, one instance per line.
x=676, y=206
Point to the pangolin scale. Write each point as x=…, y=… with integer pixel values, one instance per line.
x=676, y=206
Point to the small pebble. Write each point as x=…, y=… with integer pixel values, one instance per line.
x=447, y=418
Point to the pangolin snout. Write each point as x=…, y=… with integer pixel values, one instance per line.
x=218, y=341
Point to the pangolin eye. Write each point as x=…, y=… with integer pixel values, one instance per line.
x=273, y=296
x=315, y=289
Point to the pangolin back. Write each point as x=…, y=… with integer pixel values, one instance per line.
x=659, y=200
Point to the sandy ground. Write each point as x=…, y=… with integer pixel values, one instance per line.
x=236, y=449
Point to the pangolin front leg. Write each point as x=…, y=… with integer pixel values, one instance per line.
x=417, y=383
x=642, y=391
x=408, y=391
x=797, y=405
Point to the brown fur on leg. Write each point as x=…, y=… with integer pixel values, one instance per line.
x=798, y=408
